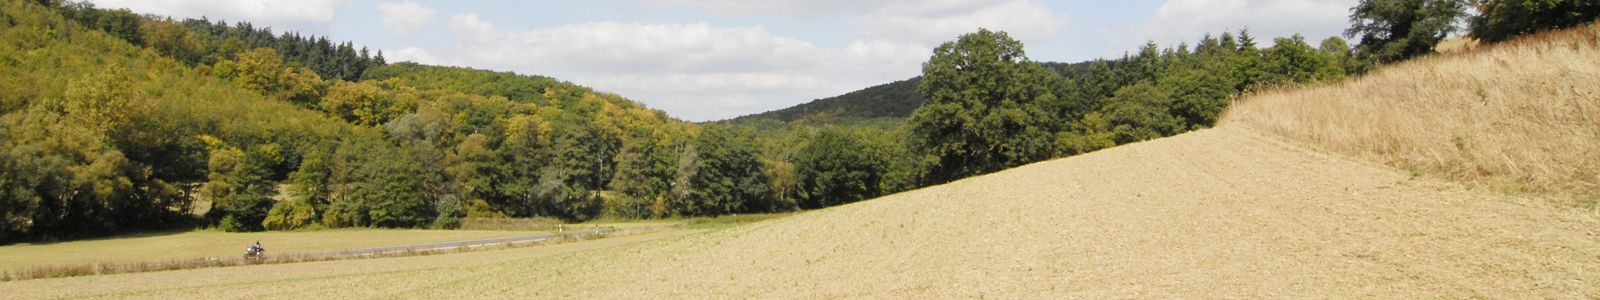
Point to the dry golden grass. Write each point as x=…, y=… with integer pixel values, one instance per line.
x=1517, y=116
x=1457, y=44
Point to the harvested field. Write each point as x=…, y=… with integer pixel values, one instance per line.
x=1225, y=212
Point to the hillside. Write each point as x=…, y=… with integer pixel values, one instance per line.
x=535, y=89
x=102, y=136
x=117, y=123
x=890, y=100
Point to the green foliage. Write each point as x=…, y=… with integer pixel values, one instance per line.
x=1395, y=30
x=172, y=40
x=1499, y=20
x=527, y=149
x=450, y=213
x=643, y=178
x=289, y=215
x=580, y=167
x=120, y=23
x=1291, y=60
x=369, y=103
x=520, y=88
x=1140, y=112
x=380, y=184
x=220, y=41
x=200, y=41
x=312, y=180
x=1091, y=133
x=240, y=186
x=477, y=169
x=719, y=173
x=985, y=110
x=261, y=70
x=836, y=167
x=231, y=224
x=1338, y=51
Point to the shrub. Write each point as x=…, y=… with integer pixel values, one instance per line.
x=624, y=206
x=450, y=212
x=480, y=209
x=231, y=224
x=289, y=215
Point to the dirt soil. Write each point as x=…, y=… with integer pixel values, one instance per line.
x=1215, y=213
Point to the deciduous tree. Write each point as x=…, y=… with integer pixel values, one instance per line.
x=985, y=110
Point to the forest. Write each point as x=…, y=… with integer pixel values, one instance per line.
x=115, y=122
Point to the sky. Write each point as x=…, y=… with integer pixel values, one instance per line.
x=702, y=60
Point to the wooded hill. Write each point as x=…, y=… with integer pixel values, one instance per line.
x=890, y=100
x=108, y=130
x=894, y=100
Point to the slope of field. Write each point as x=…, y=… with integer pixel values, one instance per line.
x=1517, y=116
x=1213, y=213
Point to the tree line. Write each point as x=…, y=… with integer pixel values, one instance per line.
x=202, y=41
x=991, y=108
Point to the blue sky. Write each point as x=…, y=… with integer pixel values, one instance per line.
x=714, y=59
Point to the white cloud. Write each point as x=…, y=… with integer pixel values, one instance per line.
x=821, y=8
x=405, y=18
x=305, y=16
x=612, y=46
x=1188, y=20
x=695, y=70
x=938, y=21
x=413, y=54
x=799, y=8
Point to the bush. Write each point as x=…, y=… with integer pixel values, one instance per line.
x=630, y=207
x=290, y=215
x=450, y=212
x=247, y=210
x=481, y=209
x=344, y=214
x=230, y=224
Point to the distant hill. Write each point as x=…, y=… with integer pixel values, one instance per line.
x=890, y=100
